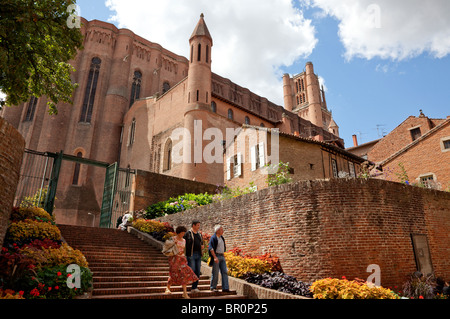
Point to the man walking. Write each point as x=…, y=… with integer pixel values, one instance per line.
x=194, y=246
x=217, y=248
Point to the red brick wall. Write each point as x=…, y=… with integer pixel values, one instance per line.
x=12, y=146
x=335, y=228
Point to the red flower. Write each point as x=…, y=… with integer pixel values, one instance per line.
x=49, y=288
x=34, y=292
x=56, y=287
x=59, y=273
x=69, y=275
x=21, y=293
x=420, y=297
x=343, y=277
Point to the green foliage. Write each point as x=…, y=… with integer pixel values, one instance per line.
x=177, y=204
x=35, y=45
x=402, y=175
x=282, y=176
x=227, y=192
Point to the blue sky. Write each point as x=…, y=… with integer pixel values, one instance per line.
x=375, y=77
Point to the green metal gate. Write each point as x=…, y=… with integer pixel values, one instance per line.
x=39, y=177
x=108, y=196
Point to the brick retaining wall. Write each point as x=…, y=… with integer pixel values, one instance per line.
x=12, y=146
x=336, y=227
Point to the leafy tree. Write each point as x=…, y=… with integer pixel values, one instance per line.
x=37, y=39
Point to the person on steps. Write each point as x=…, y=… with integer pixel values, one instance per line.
x=194, y=247
x=179, y=271
x=217, y=248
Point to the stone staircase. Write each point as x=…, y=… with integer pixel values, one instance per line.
x=124, y=267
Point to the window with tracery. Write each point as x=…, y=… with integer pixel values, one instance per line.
x=91, y=88
x=136, y=87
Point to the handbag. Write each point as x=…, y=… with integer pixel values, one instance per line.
x=170, y=248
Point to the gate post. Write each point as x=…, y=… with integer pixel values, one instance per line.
x=50, y=200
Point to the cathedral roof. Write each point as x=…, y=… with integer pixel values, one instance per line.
x=201, y=29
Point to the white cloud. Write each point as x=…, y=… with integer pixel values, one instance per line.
x=387, y=29
x=253, y=39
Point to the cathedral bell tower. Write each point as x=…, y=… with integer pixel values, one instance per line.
x=199, y=80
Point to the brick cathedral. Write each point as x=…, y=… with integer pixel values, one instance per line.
x=133, y=94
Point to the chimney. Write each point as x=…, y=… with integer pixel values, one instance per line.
x=355, y=140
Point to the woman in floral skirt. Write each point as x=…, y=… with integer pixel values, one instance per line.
x=179, y=271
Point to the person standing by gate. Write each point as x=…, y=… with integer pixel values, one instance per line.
x=194, y=247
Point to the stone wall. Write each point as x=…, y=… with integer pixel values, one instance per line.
x=335, y=228
x=12, y=146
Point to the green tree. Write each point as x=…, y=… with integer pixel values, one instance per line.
x=37, y=39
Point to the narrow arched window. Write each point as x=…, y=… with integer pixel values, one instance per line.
x=136, y=87
x=192, y=53
x=230, y=114
x=214, y=107
x=132, y=132
x=199, y=58
x=31, y=109
x=76, y=171
x=167, y=163
x=207, y=54
x=247, y=120
x=91, y=88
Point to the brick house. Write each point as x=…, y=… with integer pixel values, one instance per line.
x=421, y=146
x=247, y=156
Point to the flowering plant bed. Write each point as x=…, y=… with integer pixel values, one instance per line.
x=34, y=261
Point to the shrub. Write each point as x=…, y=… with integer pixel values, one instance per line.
x=32, y=229
x=177, y=204
x=50, y=257
x=239, y=266
x=332, y=288
x=33, y=213
x=51, y=283
x=419, y=286
x=281, y=282
x=148, y=226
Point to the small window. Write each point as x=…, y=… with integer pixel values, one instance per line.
x=446, y=145
x=427, y=181
x=415, y=133
x=199, y=52
x=234, y=166
x=247, y=120
x=230, y=114
x=351, y=169
x=334, y=167
x=214, y=107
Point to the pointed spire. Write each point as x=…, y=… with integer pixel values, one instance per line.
x=201, y=29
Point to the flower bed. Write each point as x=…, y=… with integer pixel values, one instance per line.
x=34, y=262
